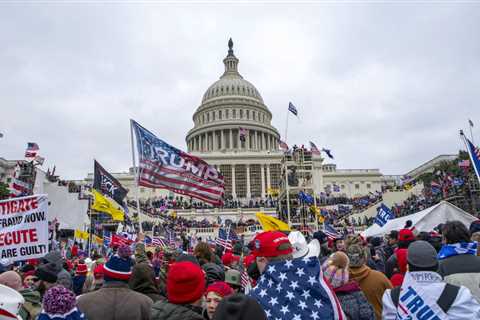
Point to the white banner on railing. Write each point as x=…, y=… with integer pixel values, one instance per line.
x=23, y=228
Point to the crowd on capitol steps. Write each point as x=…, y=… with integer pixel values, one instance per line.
x=277, y=275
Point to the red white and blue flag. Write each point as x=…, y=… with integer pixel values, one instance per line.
x=314, y=149
x=223, y=239
x=32, y=150
x=164, y=166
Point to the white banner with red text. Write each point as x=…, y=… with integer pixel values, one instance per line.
x=23, y=228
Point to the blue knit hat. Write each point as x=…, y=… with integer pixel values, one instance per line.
x=119, y=266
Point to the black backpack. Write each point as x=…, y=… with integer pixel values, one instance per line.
x=445, y=301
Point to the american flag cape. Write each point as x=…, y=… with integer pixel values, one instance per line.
x=314, y=149
x=295, y=289
x=164, y=166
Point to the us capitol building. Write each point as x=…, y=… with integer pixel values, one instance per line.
x=232, y=130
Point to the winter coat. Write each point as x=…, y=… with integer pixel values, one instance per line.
x=464, y=306
x=32, y=306
x=143, y=281
x=78, y=282
x=115, y=301
x=462, y=270
x=354, y=303
x=373, y=284
x=163, y=310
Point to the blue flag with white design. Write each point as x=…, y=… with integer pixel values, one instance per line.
x=295, y=289
x=383, y=215
x=292, y=109
x=474, y=153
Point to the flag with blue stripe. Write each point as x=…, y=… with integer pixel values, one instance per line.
x=292, y=109
x=474, y=153
x=383, y=215
x=107, y=238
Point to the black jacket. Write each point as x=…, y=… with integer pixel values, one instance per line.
x=163, y=310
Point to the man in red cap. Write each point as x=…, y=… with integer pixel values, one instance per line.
x=271, y=246
x=396, y=265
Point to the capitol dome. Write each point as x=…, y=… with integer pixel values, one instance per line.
x=232, y=116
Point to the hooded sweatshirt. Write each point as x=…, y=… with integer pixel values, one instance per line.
x=143, y=281
x=373, y=284
x=64, y=278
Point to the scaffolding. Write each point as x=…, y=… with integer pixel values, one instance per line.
x=297, y=174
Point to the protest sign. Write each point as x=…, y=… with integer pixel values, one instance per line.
x=24, y=228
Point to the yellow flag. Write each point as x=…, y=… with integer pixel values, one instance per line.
x=103, y=204
x=270, y=223
x=98, y=240
x=81, y=235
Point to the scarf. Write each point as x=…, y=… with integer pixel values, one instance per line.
x=450, y=250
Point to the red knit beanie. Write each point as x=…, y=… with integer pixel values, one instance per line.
x=185, y=282
x=221, y=288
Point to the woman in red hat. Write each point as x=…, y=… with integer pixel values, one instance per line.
x=214, y=294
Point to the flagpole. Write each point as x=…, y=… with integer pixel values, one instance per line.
x=471, y=134
x=287, y=191
x=135, y=170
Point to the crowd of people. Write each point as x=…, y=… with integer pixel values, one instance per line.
x=277, y=275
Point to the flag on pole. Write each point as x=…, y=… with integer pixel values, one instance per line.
x=164, y=166
x=103, y=204
x=283, y=146
x=470, y=122
x=292, y=109
x=160, y=242
x=106, y=184
x=474, y=153
x=223, y=239
x=330, y=231
x=328, y=152
x=270, y=223
x=383, y=215
x=107, y=238
x=32, y=150
x=314, y=149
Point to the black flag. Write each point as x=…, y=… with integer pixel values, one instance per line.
x=105, y=183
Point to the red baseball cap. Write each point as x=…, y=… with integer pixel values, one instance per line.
x=406, y=235
x=271, y=244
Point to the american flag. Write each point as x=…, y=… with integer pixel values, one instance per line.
x=295, y=289
x=283, y=146
x=32, y=150
x=464, y=164
x=331, y=232
x=166, y=167
x=292, y=109
x=223, y=239
x=314, y=149
x=246, y=283
x=159, y=241
x=107, y=238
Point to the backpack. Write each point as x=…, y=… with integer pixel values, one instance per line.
x=445, y=301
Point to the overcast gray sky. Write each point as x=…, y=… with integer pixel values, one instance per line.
x=383, y=85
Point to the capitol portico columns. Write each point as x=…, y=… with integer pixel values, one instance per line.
x=222, y=140
x=249, y=194
x=234, y=192
x=268, y=177
x=231, y=139
x=262, y=172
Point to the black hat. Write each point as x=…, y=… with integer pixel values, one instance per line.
x=47, y=272
x=239, y=307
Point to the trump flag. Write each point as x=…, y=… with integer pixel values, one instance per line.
x=164, y=166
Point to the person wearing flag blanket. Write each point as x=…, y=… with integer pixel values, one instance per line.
x=291, y=288
x=458, y=260
x=423, y=294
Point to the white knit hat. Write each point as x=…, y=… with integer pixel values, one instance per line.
x=10, y=303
